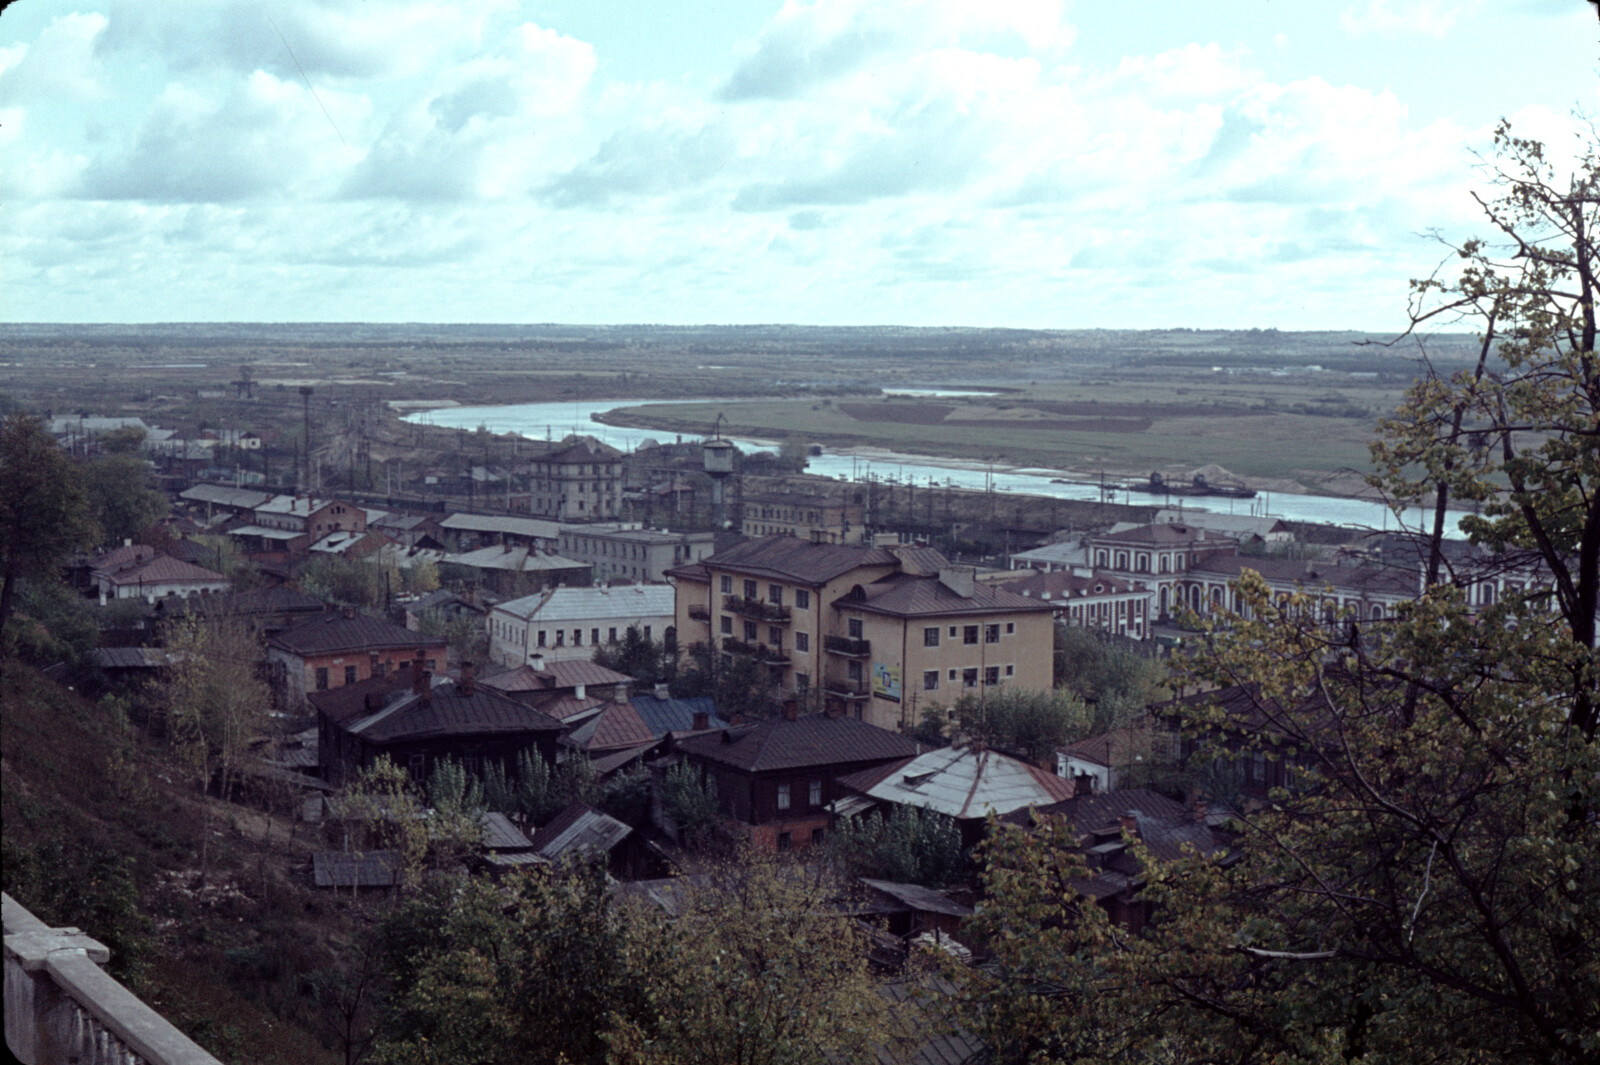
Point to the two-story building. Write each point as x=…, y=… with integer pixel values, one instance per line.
x=343, y=647
x=566, y=623
x=1158, y=556
x=1087, y=599
x=616, y=551
x=816, y=518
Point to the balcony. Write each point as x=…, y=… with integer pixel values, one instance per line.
x=762, y=652
x=700, y=613
x=847, y=646
x=61, y=1006
x=847, y=687
x=755, y=608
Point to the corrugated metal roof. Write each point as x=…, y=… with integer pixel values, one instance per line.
x=919, y=898
x=961, y=782
x=615, y=727
x=163, y=569
x=500, y=834
x=533, y=528
x=370, y=869
x=579, y=829
x=628, y=603
x=130, y=657
x=265, y=533
x=222, y=495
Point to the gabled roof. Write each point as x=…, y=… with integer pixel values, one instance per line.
x=581, y=449
x=616, y=727
x=1119, y=747
x=564, y=675
x=337, y=869
x=161, y=569
x=278, y=599
x=119, y=557
x=675, y=715
x=340, y=631
x=499, y=834
x=908, y=595
x=917, y=897
x=798, y=561
x=448, y=710
x=626, y=602
x=533, y=528
x=804, y=742
x=579, y=829
x=516, y=559
x=961, y=783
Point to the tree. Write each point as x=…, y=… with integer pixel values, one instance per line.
x=44, y=511
x=1110, y=673
x=121, y=499
x=907, y=845
x=217, y=704
x=647, y=661
x=1027, y=724
x=689, y=805
x=1427, y=888
x=793, y=455
x=738, y=682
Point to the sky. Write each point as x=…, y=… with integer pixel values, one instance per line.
x=1024, y=163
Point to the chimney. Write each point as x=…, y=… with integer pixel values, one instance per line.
x=349, y=612
x=1200, y=810
x=737, y=719
x=1130, y=823
x=427, y=688
x=619, y=694
x=469, y=681
x=536, y=663
x=791, y=709
x=701, y=722
x=577, y=692
x=834, y=709
x=662, y=691
x=960, y=581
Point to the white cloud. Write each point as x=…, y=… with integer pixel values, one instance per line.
x=57, y=66
x=1432, y=18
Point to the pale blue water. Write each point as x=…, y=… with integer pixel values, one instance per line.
x=540, y=421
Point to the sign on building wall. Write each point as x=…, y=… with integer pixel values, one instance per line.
x=886, y=681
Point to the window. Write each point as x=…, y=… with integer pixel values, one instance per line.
x=818, y=835
x=952, y=632
x=430, y=665
x=419, y=763
x=381, y=669
x=969, y=678
x=775, y=594
x=775, y=636
x=802, y=682
x=541, y=637
x=1011, y=628
x=783, y=796
x=727, y=584
x=750, y=630
x=991, y=634
x=802, y=641
x=750, y=589
x=930, y=636
x=727, y=625
x=1011, y=671
x=969, y=634
x=611, y=634
x=930, y=680
x=852, y=669
x=991, y=675
x=594, y=635
x=952, y=675
x=802, y=599
x=814, y=793
x=853, y=627
x=647, y=632
x=785, y=841
x=577, y=637
x=322, y=678
x=349, y=674
x=561, y=637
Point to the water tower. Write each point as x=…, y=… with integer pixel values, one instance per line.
x=717, y=454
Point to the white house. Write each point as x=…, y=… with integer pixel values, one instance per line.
x=567, y=623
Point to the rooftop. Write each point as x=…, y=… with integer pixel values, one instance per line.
x=534, y=528
x=813, y=740
x=962, y=783
x=350, y=631
x=799, y=561
x=589, y=604
x=909, y=595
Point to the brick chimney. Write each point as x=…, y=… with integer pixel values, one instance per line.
x=469, y=680
x=426, y=694
x=1130, y=823
x=701, y=722
x=791, y=709
x=1200, y=810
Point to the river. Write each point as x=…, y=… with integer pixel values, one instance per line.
x=541, y=421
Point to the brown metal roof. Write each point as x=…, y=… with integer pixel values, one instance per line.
x=798, y=561
x=615, y=727
x=814, y=740
x=1311, y=575
x=160, y=569
x=449, y=711
x=907, y=595
x=334, y=632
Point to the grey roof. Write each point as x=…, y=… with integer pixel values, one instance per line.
x=1055, y=555
x=626, y=602
x=1232, y=524
x=368, y=869
x=1368, y=579
x=503, y=523
x=813, y=740
x=961, y=782
x=225, y=496
x=579, y=829
x=266, y=533
x=334, y=631
x=920, y=898
x=446, y=710
x=130, y=657
x=514, y=558
x=500, y=834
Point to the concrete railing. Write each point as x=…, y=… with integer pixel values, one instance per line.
x=62, y=1007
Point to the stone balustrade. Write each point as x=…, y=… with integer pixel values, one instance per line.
x=60, y=1006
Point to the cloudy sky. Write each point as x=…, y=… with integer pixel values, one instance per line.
x=1037, y=163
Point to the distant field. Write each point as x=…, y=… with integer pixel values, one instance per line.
x=1299, y=431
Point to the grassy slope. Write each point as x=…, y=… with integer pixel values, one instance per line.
x=219, y=961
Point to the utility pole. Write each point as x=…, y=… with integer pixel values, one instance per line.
x=305, y=403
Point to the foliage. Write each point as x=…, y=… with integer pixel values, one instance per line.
x=345, y=581
x=689, y=804
x=382, y=804
x=70, y=881
x=124, y=440
x=535, y=798
x=121, y=500
x=647, y=661
x=793, y=455
x=534, y=971
x=464, y=633
x=44, y=509
x=455, y=810
x=931, y=729
x=1428, y=890
x=1113, y=675
x=1027, y=724
x=738, y=683
x=759, y=968
x=224, y=558
x=909, y=846
x=216, y=702
x=60, y=625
